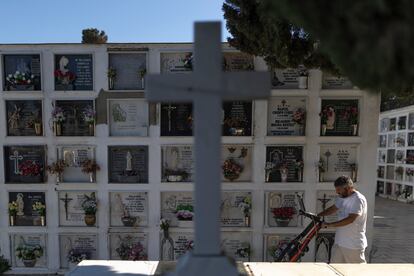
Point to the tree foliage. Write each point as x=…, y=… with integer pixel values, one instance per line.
x=94, y=36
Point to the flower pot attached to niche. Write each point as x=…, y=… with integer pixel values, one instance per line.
x=90, y=220
x=29, y=263
x=282, y=222
x=129, y=221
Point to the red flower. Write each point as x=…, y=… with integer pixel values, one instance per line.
x=30, y=168
x=283, y=212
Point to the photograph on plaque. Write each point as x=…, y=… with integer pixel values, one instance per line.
x=128, y=117
x=180, y=243
x=411, y=121
x=382, y=141
x=382, y=156
x=77, y=208
x=21, y=72
x=24, y=164
x=391, y=156
x=409, y=159
x=74, y=158
x=28, y=250
x=237, y=118
x=323, y=247
x=176, y=119
x=128, y=246
x=27, y=209
x=284, y=164
x=338, y=160
x=384, y=124
x=283, y=209
x=391, y=140
x=177, y=163
x=390, y=172
x=24, y=118
x=381, y=172
x=330, y=81
x=339, y=117
x=274, y=244
x=178, y=208
x=324, y=200
x=410, y=139
x=235, y=208
x=236, y=163
x=75, y=248
x=285, y=78
x=178, y=62
x=128, y=164
x=286, y=116
x=74, y=118
x=73, y=72
x=127, y=71
x=128, y=209
x=237, y=61
x=236, y=245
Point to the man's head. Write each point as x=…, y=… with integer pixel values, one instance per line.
x=344, y=186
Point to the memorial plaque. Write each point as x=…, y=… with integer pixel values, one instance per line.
x=390, y=172
x=24, y=164
x=178, y=208
x=286, y=116
x=274, y=245
x=384, y=124
x=338, y=122
x=393, y=124
x=391, y=140
x=281, y=163
x=128, y=117
x=237, y=118
x=177, y=163
x=338, y=160
x=130, y=69
x=382, y=143
x=411, y=121
x=29, y=242
x=237, y=61
x=283, y=209
x=25, y=215
x=176, y=62
x=128, y=246
x=410, y=157
x=128, y=164
x=176, y=119
x=399, y=156
x=21, y=72
x=400, y=140
x=388, y=188
x=285, y=78
x=71, y=212
x=76, y=122
x=335, y=82
x=237, y=163
x=380, y=187
x=382, y=156
x=326, y=199
x=236, y=245
x=402, y=123
x=75, y=248
x=391, y=156
x=381, y=172
x=74, y=156
x=182, y=242
x=129, y=208
x=24, y=118
x=73, y=72
x=323, y=247
x=410, y=139
x=235, y=209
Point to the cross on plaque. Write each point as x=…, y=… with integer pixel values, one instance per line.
x=324, y=200
x=207, y=86
x=169, y=109
x=16, y=158
x=66, y=201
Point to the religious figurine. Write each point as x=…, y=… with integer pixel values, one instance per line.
x=330, y=123
x=14, y=117
x=20, y=204
x=63, y=63
x=128, y=161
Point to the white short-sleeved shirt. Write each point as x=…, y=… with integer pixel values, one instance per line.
x=352, y=236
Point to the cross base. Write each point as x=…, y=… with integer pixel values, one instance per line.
x=190, y=264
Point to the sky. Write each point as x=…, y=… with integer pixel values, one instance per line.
x=56, y=21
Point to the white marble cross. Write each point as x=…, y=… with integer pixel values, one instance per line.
x=16, y=158
x=207, y=86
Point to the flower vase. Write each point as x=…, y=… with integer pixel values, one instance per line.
x=142, y=82
x=167, y=247
x=300, y=175
x=321, y=176
x=29, y=263
x=12, y=220
x=231, y=176
x=92, y=177
x=90, y=219
x=111, y=83
x=42, y=220
x=354, y=129
x=246, y=221
x=354, y=175
x=57, y=127
x=323, y=129
x=91, y=129
x=282, y=222
x=59, y=178
x=302, y=82
x=283, y=176
x=38, y=129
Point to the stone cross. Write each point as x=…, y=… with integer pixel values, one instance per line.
x=207, y=86
x=66, y=201
x=16, y=158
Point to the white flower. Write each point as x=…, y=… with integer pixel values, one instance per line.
x=10, y=75
x=32, y=76
x=29, y=81
x=17, y=73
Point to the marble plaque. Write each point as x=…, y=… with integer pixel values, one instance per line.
x=237, y=118
x=324, y=200
x=382, y=156
x=177, y=163
x=274, y=245
x=280, y=163
x=130, y=70
x=338, y=159
x=400, y=140
x=176, y=119
x=411, y=121
x=236, y=163
x=176, y=62
x=129, y=208
x=77, y=247
x=24, y=118
x=26, y=216
x=232, y=211
x=285, y=78
x=128, y=246
x=237, y=61
x=390, y=172
x=402, y=122
x=338, y=123
x=236, y=245
x=182, y=242
x=128, y=117
x=75, y=123
x=380, y=187
x=399, y=156
x=74, y=156
x=410, y=139
x=382, y=141
x=178, y=208
x=15, y=67
x=381, y=172
x=73, y=72
x=24, y=164
x=393, y=124
x=391, y=140
x=335, y=82
x=71, y=212
x=391, y=156
x=388, y=188
x=323, y=247
x=283, y=209
x=128, y=164
x=384, y=124
x=410, y=157
x=28, y=241
x=286, y=116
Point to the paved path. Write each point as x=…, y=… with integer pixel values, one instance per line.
x=393, y=240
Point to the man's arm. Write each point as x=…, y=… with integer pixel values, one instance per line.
x=343, y=222
x=331, y=210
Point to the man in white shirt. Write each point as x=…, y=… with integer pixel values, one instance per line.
x=350, y=239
